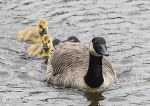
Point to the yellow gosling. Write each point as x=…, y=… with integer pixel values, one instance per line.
x=47, y=46
x=43, y=49
x=33, y=34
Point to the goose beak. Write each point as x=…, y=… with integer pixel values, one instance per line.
x=45, y=47
x=104, y=50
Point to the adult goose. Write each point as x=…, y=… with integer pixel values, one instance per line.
x=77, y=66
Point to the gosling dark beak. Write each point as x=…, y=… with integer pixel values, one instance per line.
x=45, y=31
x=45, y=47
x=102, y=50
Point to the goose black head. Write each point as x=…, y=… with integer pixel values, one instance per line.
x=98, y=47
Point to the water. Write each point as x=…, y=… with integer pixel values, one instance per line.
x=125, y=24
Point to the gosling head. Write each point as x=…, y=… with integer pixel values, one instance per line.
x=98, y=47
x=42, y=26
x=46, y=40
x=47, y=45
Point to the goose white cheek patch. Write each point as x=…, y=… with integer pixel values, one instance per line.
x=92, y=50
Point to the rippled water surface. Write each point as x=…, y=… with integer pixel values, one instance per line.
x=124, y=23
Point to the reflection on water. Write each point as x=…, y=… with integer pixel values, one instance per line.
x=94, y=98
x=124, y=24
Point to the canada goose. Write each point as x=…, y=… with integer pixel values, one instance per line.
x=33, y=34
x=75, y=65
x=43, y=49
x=73, y=39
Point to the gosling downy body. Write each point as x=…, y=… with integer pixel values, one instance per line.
x=33, y=34
x=43, y=49
x=78, y=66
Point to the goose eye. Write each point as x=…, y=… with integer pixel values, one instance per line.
x=95, y=43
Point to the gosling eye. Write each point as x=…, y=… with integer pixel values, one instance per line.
x=48, y=41
x=40, y=26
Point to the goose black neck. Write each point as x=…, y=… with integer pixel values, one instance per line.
x=94, y=76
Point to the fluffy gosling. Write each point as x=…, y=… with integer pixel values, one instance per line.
x=33, y=34
x=43, y=49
